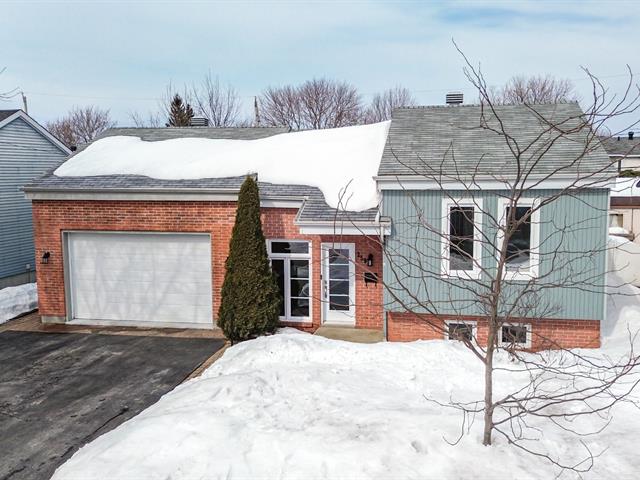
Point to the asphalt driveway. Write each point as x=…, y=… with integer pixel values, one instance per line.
x=59, y=391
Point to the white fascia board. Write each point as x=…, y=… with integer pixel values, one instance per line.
x=43, y=131
x=330, y=228
x=421, y=183
x=174, y=196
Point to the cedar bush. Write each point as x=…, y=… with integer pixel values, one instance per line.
x=250, y=301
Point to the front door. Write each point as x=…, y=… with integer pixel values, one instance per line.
x=338, y=283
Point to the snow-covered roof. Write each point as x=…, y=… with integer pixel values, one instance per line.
x=341, y=162
x=626, y=187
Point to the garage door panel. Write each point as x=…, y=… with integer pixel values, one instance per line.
x=141, y=277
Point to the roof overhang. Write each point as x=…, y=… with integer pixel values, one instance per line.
x=378, y=227
x=555, y=182
x=43, y=131
x=156, y=194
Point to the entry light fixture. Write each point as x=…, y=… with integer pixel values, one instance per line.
x=368, y=260
x=45, y=257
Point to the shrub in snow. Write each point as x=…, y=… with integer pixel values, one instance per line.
x=250, y=301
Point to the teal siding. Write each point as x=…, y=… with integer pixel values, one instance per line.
x=24, y=155
x=573, y=233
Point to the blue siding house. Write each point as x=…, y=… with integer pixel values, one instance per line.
x=450, y=177
x=27, y=150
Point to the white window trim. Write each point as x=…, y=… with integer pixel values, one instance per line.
x=472, y=323
x=287, y=293
x=527, y=344
x=447, y=203
x=534, y=248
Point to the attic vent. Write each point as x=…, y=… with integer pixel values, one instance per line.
x=199, y=122
x=454, y=98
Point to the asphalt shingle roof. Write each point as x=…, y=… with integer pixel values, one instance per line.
x=6, y=114
x=621, y=146
x=450, y=140
x=314, y=209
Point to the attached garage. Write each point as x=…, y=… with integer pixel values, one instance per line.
x=139, y=279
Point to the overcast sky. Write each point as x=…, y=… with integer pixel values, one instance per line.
x=121, y=55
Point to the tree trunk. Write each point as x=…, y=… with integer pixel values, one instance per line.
x=488, y=386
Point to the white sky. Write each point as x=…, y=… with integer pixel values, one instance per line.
x=120, y=55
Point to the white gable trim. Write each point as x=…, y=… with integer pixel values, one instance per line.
x=416, y=182
x=39, y=128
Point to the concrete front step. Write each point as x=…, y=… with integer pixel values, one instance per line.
x=350, y=334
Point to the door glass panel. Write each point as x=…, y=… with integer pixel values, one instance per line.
x=339, y=287
x=338, y=302
x=299, y=288
x=300, y=269
x=289, y=247
x=299, y=307
x=339, y=256
x=277, y=266
x=338, y=272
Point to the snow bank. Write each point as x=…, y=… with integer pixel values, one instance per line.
x=17, y=300
x=624, y=259
x=331, y=160
x=294, y=406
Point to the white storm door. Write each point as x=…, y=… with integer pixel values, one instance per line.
x=140, y=278
x=338, y=283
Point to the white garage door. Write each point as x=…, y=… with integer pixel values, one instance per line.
x=138, y=279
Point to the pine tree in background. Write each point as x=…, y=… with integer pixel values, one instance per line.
x=250, y=302
x=180, y=113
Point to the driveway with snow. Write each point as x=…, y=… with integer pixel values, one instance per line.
x=59, y=391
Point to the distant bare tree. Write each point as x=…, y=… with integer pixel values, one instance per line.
x=317, y=103
x=533, y=90
x=81, y=125
x=152, y=120
x=220, y=105
x=383, y=104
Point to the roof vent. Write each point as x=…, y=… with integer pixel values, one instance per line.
x=630, y=135
x=454, y=98
x=199, y=122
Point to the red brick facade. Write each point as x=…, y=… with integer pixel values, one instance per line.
x=545, y=334
x=52, y=217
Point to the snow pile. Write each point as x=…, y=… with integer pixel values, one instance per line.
x=331, y=160
x=299, y=406
x=626, y=187
x=15, y=301
x=624, y=259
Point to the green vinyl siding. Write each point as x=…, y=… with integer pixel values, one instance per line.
x=572, y=230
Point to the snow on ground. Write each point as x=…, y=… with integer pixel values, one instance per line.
x=330, y=159
x=17, y=300
x=298, y=406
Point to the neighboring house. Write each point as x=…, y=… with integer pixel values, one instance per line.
x=624, y=217
x=133, y=250
x=446, y=144
x=27, y=150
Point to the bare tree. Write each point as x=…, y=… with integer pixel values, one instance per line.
x=383, y=104
x=532, y=91
x=151, y=120
x=220, y=105
x=477, y=255
x=315, y=104
x=81, y=125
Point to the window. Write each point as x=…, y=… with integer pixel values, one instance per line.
x=291, y=263
x=515, y=335
x=460, y=330
x=462, y=227
x=615, y=220
x=522, y=248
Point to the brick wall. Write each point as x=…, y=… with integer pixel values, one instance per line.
x=50, y=218
x=545, y=334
